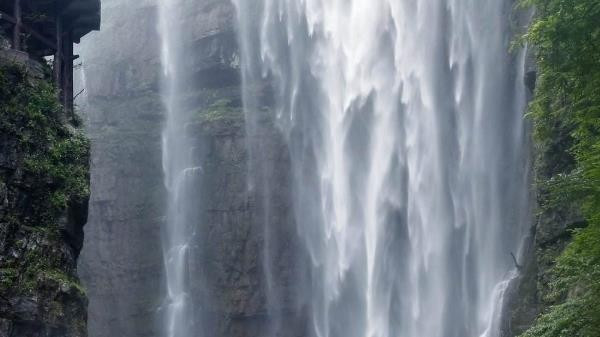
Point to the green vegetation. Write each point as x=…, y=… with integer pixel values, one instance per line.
x=51, y=171
x=55, y=155
x=64, y=280
x=566, y=114
x=8, y=277
x=222, y=109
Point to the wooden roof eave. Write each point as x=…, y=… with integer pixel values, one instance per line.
x=85, y=16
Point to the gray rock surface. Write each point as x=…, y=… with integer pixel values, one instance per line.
x=121, y=264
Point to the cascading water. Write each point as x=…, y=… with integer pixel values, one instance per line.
x=404, y=124
x=181, y=177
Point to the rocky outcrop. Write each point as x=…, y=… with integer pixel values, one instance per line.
x=43, y=207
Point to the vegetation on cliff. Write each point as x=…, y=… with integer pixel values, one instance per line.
x=44, y=187
x=221, y=109
x=566, y=113
x=54, y=154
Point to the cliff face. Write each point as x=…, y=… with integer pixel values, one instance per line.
x=43, y=207
x=122, y=263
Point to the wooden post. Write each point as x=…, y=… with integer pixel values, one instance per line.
x=68, y=74
x=17, y=30
x=58, y=56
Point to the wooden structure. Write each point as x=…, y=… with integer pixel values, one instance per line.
x=49, y=28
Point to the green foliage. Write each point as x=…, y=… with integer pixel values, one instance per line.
x=8, y=277
x=65, y=164
x=57, y=275
x=577, y=278
x=52, y=171
x=55, y=156
x=566, y=113
x=220, y=110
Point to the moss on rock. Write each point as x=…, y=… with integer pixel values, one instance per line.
x=222, y=109
x=44, y=163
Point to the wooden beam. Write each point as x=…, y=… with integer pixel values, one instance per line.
x=17, y=28
x=6, y=17
x=58, y=57
x=68, y=74
x=40, y=37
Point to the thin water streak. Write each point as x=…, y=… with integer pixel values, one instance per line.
x=180, y=176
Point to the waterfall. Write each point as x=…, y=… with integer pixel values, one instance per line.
x=180, y=175
x=404, y=124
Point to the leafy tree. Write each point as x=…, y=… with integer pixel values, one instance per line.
x=566, y=114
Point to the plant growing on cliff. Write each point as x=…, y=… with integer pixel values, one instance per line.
x=566, y=113
x=55, y=155
x=49, y=168
x=221, y=109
